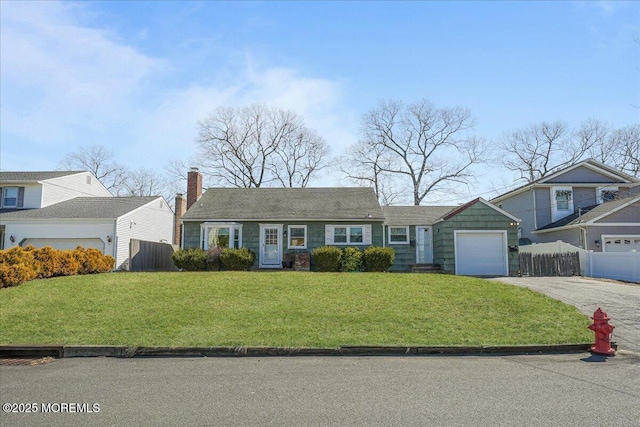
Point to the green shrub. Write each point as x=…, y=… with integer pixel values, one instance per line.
x=237, y=259
x=377, y=258
x=194, y=259
x=213, y=258
x=351, y=259
x=327, y=258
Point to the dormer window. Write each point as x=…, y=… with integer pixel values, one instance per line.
x=563, y=197
x=606, y=194
x=561, y=202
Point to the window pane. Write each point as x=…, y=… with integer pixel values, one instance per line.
x=297, y=237
x=236, y=238
x=10, y=197
x=219, y=237
x=340, y=235
x=355, y=235
x=562, y=201
x=398, y=234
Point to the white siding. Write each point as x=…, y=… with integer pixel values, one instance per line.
x=32, y=196
x=60, y=230
x=152, y=222
x=58, y=190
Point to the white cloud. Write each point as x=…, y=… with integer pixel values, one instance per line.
x=65, y=83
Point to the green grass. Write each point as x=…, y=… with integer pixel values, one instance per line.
x=284, y=310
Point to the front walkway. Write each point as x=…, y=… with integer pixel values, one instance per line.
x=620, y=300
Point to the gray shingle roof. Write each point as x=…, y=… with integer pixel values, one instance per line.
x=593, y=213
x=83, y=208
x=34, y=176
x=414, y=215
x=338, y=203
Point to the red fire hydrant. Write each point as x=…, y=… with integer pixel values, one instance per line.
x=603, y=331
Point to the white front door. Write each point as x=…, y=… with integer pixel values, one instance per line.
x=270, y=246
x=424, y=251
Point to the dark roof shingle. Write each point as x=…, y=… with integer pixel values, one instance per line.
x=34, y=176
x=335, y=203
x=83, y=208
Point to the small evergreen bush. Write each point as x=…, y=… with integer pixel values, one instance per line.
x=69, y=264
x=194, y=259
x=237, y=259
x=327, y=258
x=376, y=258
x=351, y=259
x=49, y=260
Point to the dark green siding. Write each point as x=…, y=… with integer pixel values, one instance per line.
x=405, y=253
x=251, y=235
x=476, y=217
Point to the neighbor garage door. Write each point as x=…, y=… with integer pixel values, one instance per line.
x=66, y=243
x=481, y=253
x=621, y=243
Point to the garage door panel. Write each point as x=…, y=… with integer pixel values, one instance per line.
x=481, y=254
x=621, y=243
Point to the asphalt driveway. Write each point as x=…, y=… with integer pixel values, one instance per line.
x=620, y=300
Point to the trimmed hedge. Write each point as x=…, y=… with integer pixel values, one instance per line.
x=351, y=259
x=327, y=258
x=237, y=259
x=194, y=259
x=21, y=264
x=377, y=258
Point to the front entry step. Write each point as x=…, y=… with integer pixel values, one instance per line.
x=425, y=268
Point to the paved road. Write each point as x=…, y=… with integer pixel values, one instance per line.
x=621, y=301
x=542, y=390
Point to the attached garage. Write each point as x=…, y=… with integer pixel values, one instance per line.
x=477, y=239
x=481, y=252
x=66, y=243
x=621, y=243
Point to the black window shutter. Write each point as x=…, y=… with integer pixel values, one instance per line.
x=20, y=197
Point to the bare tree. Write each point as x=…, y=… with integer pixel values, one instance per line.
x=145, y=182
x=99, y=161
x=257, y=146
x=426, y=149
x=625, y=142
x=539, y=149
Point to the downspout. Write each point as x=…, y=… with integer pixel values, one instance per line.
x=115, y=242
x=535, y=210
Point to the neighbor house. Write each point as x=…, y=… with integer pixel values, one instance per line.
x=34, y=190
x=473, y=239
x=104, y=223
x=587, y=204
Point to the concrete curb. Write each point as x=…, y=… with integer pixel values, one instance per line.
x=17, y=351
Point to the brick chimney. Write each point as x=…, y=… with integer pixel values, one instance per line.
x=180, y=209
x=194, y=186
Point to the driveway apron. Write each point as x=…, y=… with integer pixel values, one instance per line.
x=620, y=300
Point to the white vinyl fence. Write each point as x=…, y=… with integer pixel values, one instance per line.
x=605, y=265
x=615, y=265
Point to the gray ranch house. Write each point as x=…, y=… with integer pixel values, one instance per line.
x=477, y=238
x=588, y=205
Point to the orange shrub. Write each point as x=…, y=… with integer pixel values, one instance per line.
x=69, y=265
x=15, y=274
x=49, y=262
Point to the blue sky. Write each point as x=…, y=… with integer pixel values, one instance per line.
x=137, y=76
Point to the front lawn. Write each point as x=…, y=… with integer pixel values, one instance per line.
x=283, y=309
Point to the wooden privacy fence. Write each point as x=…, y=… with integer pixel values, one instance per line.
x=557, y=264
x=150, y=256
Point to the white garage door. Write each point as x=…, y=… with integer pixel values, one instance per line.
x=481, y=253
x=66, y=243
x=621, y=243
